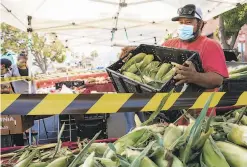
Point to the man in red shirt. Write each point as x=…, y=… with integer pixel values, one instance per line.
x=211, y=53
x=190, y=38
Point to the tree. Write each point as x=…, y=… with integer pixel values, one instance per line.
x=43, y=53
x=94, y=54
x=230, y=23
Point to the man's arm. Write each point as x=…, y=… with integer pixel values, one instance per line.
x=190, y=75
x=208, y=80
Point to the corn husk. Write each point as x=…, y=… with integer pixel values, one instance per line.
x=238, y=135
x=235, y=155
x=172, y=133
x=212, y=156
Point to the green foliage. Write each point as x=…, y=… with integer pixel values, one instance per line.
x=17, y=41
x=234, y=19
x=94, y=54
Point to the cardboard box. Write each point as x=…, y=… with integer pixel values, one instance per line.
x=15, y=124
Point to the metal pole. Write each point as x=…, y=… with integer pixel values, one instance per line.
x=29, y=30
x=69, y=129
x=30, y=136
x=242, y=51
x=38, y=131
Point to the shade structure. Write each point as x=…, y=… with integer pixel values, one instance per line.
x=105, y=22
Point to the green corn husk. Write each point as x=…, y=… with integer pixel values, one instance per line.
x=147, y=59
x=107, y=162
x=243, y=120
x=39, y=164
x=134, y=68
x=195, y=133
x=135, y=59
x=239, y=69
x=238, y=135
x=23, y=156
x=172, y=133
x=212, y=155
x=155, y=128
x=98, y=148
x=139, y=158
x=169, y=75
x=150, y=67
x=166, y=159
x=60, y=162
x=235, y=155
x=127, y=140
x=133, y=76
x=164, y=69
x=89, y=162
x=25, y=162
x=200, y=142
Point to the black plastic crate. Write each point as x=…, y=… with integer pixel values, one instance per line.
x=162, y=54
x=88, y=128
x=234, y=85
x=69, y=84
x=231, y=85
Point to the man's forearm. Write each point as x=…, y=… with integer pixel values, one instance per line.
x=208, y=80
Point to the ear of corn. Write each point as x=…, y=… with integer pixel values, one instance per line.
x=140, y=159
x=25, y=162
x=135, y=59
x=98, y=148
x=238, y=135
x=133, y=76
x=60, y=162
x=172, y=133
x=200, y=142
x=23, y=156
x=89, y=162
x=166, y=158
x=162, y=71
x=38, y=164
x=168, y=76
x=212, y=156
x=107, y=162
x=235, y=155
x=134, y=67
x=147, y=59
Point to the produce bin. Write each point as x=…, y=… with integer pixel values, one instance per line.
x=235, y=85
x=163, y=54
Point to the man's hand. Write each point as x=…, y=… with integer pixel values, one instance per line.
x=188, y=74
x=126, y=50
x=185, y=74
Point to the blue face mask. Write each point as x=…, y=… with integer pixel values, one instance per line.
x=185, y=32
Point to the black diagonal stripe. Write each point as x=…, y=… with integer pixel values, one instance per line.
x=186, y=100
x=82, y=104
x=136, y=102
x=24, y=104
x=229, y=99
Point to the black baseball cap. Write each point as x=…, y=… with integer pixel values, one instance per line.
x=189, y=11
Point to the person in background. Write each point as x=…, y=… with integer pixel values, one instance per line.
x=212, y=56
x=5, y=67
x=19, y=69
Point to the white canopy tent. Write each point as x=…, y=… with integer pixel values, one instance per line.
x=104, y=22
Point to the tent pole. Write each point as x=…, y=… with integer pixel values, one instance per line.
x=29, y=31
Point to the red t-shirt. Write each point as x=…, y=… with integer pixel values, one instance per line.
x=211, y=53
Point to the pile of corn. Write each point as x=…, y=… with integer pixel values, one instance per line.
x=156, y=145
x=238, y=72
x=143, y=69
